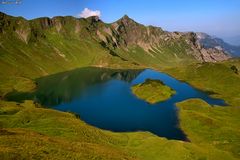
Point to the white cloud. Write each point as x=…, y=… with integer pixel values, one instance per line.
x=88, y=13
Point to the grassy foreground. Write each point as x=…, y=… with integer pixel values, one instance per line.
x=31, y=132
x=152, y=91
x=211, y=126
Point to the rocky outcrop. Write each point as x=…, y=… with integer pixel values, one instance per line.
x=129, y=33
x=23, y=30
x=205, y=54
x=134, y=33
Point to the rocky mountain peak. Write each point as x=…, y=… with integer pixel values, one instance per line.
x=126, y=17
x=126, y=20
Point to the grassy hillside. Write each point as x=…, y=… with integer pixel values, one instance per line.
x=211, y=126
x=29, y=131
x=219, y=79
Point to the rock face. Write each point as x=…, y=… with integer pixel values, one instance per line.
x=134, y=33
x=129, y=33
x=207, y=54
x=123, y=35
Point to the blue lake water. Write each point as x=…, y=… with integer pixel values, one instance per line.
x=103, y=98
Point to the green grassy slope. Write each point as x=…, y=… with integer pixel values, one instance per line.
x=29, y=131
x=211, y=126
x=216, y=78
x=166, y=54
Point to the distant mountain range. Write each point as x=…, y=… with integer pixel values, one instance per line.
x=45, y=45
x=213, y=42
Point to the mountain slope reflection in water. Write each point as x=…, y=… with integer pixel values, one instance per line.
x=103, y=98
x=64, y=87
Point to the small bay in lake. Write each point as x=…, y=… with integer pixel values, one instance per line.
x=103, y=98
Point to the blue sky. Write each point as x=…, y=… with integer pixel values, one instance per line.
x=216, y=17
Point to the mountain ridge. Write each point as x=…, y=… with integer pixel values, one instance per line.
x=215, y=42
x=49, y=45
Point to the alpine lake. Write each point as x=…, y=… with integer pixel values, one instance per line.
x=103, y=98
